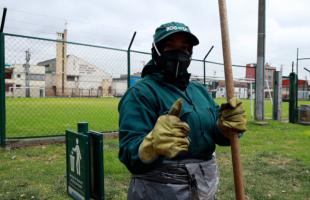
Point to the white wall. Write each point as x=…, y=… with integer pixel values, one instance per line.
x=240, y=92
x=119, y=87
x=37, y=87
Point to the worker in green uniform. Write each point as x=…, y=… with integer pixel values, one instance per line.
x=169, y=125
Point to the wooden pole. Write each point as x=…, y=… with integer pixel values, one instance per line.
x=234, y=142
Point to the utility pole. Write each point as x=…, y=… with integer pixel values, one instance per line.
x=297, y=62
x=27, y=66
x=260, y=72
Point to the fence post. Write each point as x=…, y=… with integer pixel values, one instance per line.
x=2, y=91
x=2, y=82
x=204, y=66
x=128, y=60
x=293, y=98
x=82, y=128
x=277, y=99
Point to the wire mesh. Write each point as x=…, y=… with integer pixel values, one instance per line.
x=52, y=85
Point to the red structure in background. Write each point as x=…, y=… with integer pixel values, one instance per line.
x=303, y=88
x=302, y=84
x=269, y=71
x=8, y=76
x=250, y=71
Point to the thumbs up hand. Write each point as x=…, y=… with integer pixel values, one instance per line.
x=168, y=137
x=176, y=108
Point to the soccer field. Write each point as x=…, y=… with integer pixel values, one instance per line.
x=31, y=117
x=52, y=116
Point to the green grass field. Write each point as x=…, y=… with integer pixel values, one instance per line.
x=275, y=157
x=52, y=116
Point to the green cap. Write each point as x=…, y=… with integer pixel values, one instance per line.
x=170, y=28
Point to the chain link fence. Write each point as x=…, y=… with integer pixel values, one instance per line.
x=50, y=85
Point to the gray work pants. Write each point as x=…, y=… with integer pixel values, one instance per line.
x=177, y=180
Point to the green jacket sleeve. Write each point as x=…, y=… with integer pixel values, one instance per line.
x=137, y=117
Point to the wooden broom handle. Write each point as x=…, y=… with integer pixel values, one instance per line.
x=234, y=142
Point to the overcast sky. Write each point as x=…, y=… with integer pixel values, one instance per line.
x=112, y=23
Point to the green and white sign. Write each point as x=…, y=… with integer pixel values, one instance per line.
x=85, y=177
x=78, y=172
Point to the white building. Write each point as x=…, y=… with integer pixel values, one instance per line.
x=21, y=85
x=239, y=92
x=119, y=86
x=80, y=78
x=240, y=89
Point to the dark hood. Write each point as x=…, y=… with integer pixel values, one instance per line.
x=150, y=68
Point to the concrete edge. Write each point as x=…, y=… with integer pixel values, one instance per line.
x=28, y=142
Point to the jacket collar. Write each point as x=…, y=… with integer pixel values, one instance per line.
x=151, y=71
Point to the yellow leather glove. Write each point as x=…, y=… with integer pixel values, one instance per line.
x=232, y=116
x=168, y=137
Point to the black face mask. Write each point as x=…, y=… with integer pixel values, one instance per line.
x=174, y=66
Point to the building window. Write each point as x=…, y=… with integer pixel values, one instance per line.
x=18, y=75
x=8, y=75
x=18, y=86
x=36, y=77
x=72, y=78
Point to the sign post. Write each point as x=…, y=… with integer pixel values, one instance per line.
x=84, y=156
x=96, y=163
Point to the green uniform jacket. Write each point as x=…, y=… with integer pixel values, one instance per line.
x=150, y=98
